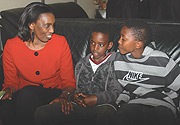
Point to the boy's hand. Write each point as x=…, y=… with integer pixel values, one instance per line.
x=84, y=100
x=78, y=98
x=90, y=100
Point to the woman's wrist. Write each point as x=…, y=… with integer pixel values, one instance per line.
x=7, y=90
x=10, y=89
x=65, y=94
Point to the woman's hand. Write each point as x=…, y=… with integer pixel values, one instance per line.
x=7, y=95
x=66, y=105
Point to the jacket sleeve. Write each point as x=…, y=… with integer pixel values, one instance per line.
x=78, y=68
x=172, y=80
x=113, y=90
x=11, y=78
x=123, y=97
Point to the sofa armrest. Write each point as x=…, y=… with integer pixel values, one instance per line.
x=12, y=16
x=7, y=30
x=1, y=71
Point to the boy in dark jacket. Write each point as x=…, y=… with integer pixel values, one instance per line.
x=97, y=87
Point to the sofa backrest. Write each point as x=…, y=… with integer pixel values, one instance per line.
x=68, y=10
x=61, y=10
x=166, y=35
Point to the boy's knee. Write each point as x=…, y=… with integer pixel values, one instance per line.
x=106, y=109
x=40, y=115
x=41, y=112
x=49, y=114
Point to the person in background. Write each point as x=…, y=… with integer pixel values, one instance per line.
x=123, y=9
x=38, y=67
x=97, y=88
x=149, y=77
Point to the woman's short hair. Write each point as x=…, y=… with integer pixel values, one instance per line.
x=31, y=14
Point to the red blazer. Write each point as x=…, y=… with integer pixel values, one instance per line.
x=51, y=66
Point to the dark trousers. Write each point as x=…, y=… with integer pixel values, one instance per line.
x=21, y=108
x=137, y=114
x=52, y=115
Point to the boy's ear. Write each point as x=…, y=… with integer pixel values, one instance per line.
x=139, y=44
x=110, y=45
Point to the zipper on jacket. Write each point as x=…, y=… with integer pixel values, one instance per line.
x=92, y=79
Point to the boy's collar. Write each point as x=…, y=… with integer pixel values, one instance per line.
x=91, y=58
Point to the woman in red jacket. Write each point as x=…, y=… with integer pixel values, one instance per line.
x=37, y=66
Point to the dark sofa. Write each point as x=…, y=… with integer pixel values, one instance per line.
x=166, y=35
x=76, y=27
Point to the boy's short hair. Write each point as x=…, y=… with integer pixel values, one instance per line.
x=105, y=29
x=141, y=30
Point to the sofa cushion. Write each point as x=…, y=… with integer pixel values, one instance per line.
x=167, y=38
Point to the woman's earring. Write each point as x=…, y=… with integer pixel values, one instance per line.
x=32, y=37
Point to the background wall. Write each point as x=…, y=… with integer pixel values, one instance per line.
x=87, y=5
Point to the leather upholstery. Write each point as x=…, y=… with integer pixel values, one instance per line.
x=77, y=31
x=61, y=10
